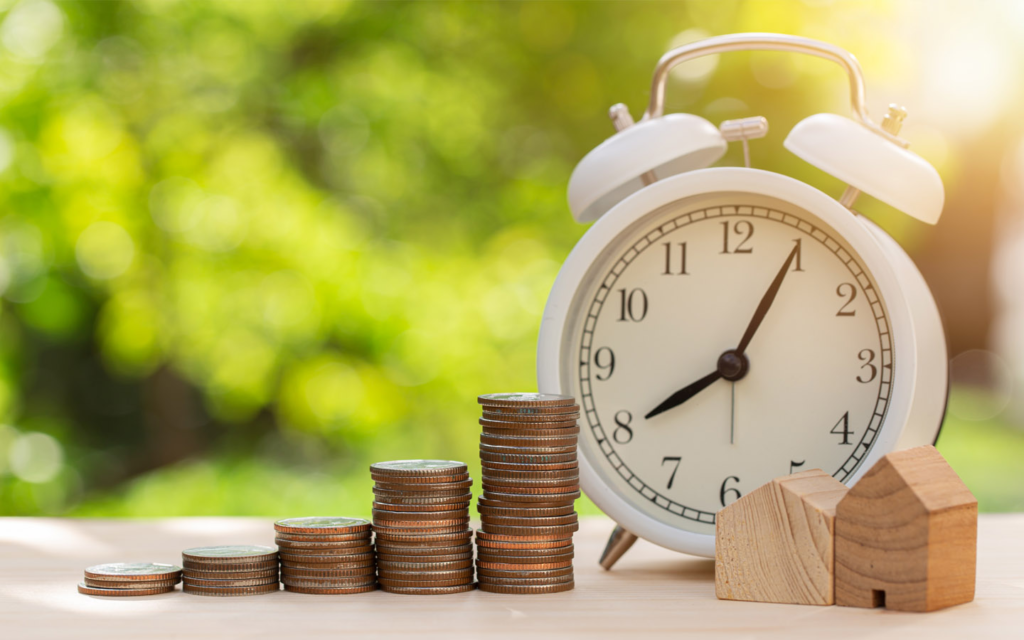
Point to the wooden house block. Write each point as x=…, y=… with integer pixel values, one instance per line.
x=906, y=536
x=775, y=544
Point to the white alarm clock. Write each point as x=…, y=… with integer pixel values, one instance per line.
x=721, y=327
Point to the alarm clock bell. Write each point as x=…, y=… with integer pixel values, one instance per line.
x=868, y=157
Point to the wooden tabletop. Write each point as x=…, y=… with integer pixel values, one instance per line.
x=650, y=592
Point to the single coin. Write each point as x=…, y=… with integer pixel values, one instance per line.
x=419, y=467
x=512, y=565
x=465, y=575
x=452, y=582
x=536, y=557
x=433, y=520
x=527, y=574
x=316, y=544
x=430, y=591
x=525, y=582
x=526, y=442
x=530, y=418
x=323, y=525
x=484, y=538
x=234, y=566
x=254, y=582
x=141, y=571
x=386, y=536
x=443, y=488
x=329, y=583
x=510, y=457
x=231, y=575
x=393, y=557
x=420, y=531
x=430, y=496
x=523, y=399
x=530, y=483
x=413, y=480
x=565, y=529
x=389, y=565
x=354, y=538
x=533, y=450
x=428, y=549
x=508, y=474
x=357, y=559
x=516, y=521
x=525, y=512
x=388, y=514
x=328, y=573
x=84, y=589
x=521, y=410
x=231, y=591
x=525, y=546
x=92, y=583
x=556, y=498
x=331, y=591
x=341, y=553
x=491, y=467
x=541, y=492
x=535, y=589
x=288, y=565
x=564, y=429
x=418, y=508
x=525, y=553
x=230, y=554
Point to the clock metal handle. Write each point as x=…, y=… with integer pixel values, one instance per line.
x=766, y=42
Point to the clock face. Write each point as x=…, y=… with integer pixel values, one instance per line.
x=723, y=341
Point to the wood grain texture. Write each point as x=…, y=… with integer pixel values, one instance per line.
x=906, y=536
x=651, y=593
x=775, y=544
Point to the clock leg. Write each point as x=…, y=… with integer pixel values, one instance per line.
x=618, y=544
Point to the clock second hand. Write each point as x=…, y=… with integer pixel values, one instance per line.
x=733, y=364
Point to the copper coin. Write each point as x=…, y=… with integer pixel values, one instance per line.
x=524, y=450
x=253, y=582
x=130, y=584
x=521, y=574
x=418, y=508
x=527, y=411
x=429, y=497
x=452, y=582
x=330, y=573
x=498, y=555
x=529, y=418
x=512, y=457
x=230, y=575
x=122, y=593
x=441, y=537
x=413, y=480
x=525, y=582
x=556, y=498
x=517, y=521
x=565, y=529
x=289, y=566
x=420, y=531
x=513, y=565
x=534, y=483
x=341, y=554
x=525, y=546
x=216, y=566
x=396, y=574
x=491, y=467
x=525, y=553
x=288, y=545
x=231, y=591
x=393, y=557
x=527, y=442
x=444, y=488
x=524, y=590
x=404, y=468
x=388, y=565
x=541, y=492
x=131, y=571
x=419, y=523
x=356, y=560
x=540, y=430
x=524, y=399
x=388, y=514
x=332, y=592
x=230, y=554
x=329, y=583
x=429, y=591
x=306, y=537
x=532, y=474
x=323, y=525
x=429, y=549
x=487, y=510
x=486, y=539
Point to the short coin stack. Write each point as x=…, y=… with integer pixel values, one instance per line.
x=421, y=520
x=530, y=483
x=120, y=579
x=230, y=570
x=326, y=555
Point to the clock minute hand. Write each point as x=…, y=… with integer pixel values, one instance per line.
x=766, y=303
x=684, y=394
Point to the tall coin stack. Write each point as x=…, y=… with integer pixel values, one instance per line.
x=326, y=555
x=530, y=484
x=421, y=521
x=230, y=570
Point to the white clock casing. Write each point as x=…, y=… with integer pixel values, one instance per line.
x=920, y=382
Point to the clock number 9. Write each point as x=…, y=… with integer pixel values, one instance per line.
x=725, y=491
x=633, y=306
x=609, y=363
x=623, y=433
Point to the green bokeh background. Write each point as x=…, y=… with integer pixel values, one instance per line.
x=247, y=248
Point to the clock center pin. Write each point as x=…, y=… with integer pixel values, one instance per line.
x=733, y=366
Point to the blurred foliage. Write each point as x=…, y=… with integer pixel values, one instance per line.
x=248, y=247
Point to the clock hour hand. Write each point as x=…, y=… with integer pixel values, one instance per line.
x=766, y=303
x=684, y=394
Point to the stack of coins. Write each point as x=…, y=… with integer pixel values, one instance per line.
x=530, y=483
x=421, y=520
x=326, y=555
x=121, y=579
x=230, y=570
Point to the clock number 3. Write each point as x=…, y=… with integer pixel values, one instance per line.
x=867, y=356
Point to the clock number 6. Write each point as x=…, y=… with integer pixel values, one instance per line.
x=622, y=420
x=725, y=491
x=633, y=306
x=677, y=460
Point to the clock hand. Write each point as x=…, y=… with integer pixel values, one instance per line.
x=684, y=394
x=766, y=303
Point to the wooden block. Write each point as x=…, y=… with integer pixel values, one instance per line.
x=907, y=536
x=775, y=544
